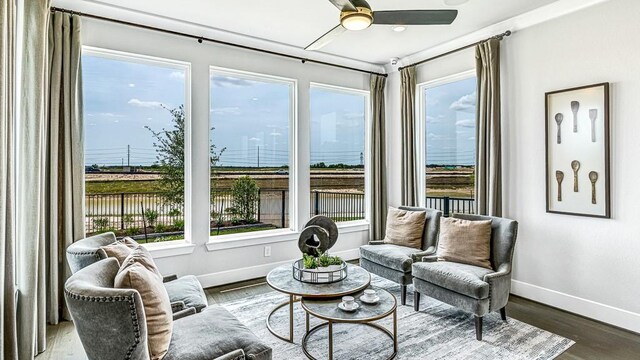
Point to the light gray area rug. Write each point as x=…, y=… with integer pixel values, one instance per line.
x=438, y=331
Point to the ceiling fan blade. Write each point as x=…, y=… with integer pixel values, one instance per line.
x=415, y=17
x=343, y=5
x=328, y=37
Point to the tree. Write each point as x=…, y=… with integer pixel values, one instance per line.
x=245, y=198
x=169, y=145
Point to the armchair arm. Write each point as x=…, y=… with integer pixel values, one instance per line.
x=431, y=250
x=234, y=355
x=168, y=278
x=376, y=242
x=499, y=287
x=183, y=313
x=178, y=306
x=430, y=258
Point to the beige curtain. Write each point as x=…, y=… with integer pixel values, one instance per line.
x=49, y=174
x=488, y=184
x=378, y=158
x=30, y=141
x=409, y=186
x=64, y=179
x=8, y=325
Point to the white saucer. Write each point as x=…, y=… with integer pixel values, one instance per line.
x=354, y=308
x=372, y=301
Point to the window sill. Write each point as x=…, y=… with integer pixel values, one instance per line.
x=170, y=248
x=233, y=241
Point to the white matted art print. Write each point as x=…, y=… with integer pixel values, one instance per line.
x=577, y=150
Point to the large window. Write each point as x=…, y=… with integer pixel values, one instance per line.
x=338, y=152
x=135, y=113
x=250, y=117
x=450, y=144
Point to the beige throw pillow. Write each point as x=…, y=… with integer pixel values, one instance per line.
x=464, y=241
x=119, y=249
x=405, y=228
x=135, y=274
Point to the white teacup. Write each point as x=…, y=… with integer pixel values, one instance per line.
x=348, y=302
x=369, y=294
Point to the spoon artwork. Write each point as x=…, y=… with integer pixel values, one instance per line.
x=593, y=115
x=559, y=178
x=559, y=118
x=575, y=106
x=593, y=176
x=575, y=165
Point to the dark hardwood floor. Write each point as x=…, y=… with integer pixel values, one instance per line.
x=594, y=340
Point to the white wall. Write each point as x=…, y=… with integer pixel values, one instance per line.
x=583, y=265
x=229, y=265
x=589, y=266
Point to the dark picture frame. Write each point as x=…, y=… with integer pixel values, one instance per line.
x=577, y=151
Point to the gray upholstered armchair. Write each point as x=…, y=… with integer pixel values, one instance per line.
x=111, y=323
x=394, y=262
x=471, y=288
x=184, y=292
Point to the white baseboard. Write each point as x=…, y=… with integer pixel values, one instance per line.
x=252, y=272
x=608, y=314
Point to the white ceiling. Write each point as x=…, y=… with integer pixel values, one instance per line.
x=299, y=22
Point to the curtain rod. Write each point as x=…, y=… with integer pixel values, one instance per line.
x=200, y=39
x=497, y=37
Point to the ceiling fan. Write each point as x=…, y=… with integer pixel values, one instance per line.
x=357, y=15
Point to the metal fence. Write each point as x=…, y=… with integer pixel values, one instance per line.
x=450, y=205
x=123, y=211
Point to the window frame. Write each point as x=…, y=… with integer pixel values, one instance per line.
x=216, y=242
x=185, y=245
x=367, y=147
x=421, y=125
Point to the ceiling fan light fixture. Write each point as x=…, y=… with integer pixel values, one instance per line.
x=356, y=20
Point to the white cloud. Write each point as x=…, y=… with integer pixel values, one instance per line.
x=473, y=138
x=466, y=103
x=226, y=111
x=275, y=134
x=145, y=104
x=106, y=114
x=177, y=75
x=132, y=85
x=467, y=123
x=228, y=81
x=434, y=136
x=254, y=139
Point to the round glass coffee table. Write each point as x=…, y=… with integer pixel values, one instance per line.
x=281, y=279
x=327, y=309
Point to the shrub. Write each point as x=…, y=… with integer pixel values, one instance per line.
x=132, y=231
x=128, y=219
x=151, y=216
x=245, y=197
x=175, y=212
x=179, y=224
x=161, y=228
x=101, y=224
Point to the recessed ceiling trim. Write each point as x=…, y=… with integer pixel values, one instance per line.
x=141, y=17
x=545, y=13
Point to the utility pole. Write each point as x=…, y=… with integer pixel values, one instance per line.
x=258, y=155
x=128, y=155
x=361, y=158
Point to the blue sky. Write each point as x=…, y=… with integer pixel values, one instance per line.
x=251, y=117
x=450, y=123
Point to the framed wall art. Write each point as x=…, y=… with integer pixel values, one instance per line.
x=577, y=151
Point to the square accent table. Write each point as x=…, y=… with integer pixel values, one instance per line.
x=366, y=314
x=281, y=279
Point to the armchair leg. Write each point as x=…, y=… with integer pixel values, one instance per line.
x=403, y=295
x=503, y=313
x=479, y=328
x=416, y=300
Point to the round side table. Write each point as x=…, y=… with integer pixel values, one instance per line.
x=327, y=309
x=281, y=279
